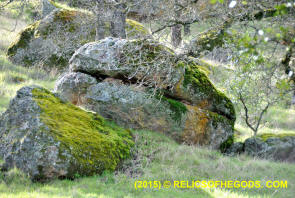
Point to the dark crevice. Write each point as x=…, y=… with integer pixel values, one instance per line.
x=99, y=77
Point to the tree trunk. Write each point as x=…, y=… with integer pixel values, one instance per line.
x=293, y=100
x=118, y=22
x=187, y=29
x=176, y=36
x=100, y=20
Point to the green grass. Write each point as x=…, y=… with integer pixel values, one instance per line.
x=156, y=157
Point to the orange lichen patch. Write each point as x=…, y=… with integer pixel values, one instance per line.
x=178, y=90
x=203, y=104
x=65, y=15
x=195, y=131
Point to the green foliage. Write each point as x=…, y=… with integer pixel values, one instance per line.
x=97, y=144
x=256, y=82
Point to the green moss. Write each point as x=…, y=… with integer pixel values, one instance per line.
x=265, y=136
x=200, y=83
x=210, y=39
x=177, y=107
x=134, y=28
x=23, y=39
x=217, y=118
x=95, y=143
x=193, y=76
x=227, y=144
x=220, y=97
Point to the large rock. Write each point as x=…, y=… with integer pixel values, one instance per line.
x=48, y=138
x=121, y=78
x=279, y=147
x=130, y=60
x=154, y=64
x=52, y=41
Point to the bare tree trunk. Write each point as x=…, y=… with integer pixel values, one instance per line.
x=118, y=22
x=100, y=20
x=293, y=100
x=176, y=36
x=187, y=29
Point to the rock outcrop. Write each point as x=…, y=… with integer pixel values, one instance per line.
x=52, y=41
x=48, y=138
x=117, y=78
x=279, y=147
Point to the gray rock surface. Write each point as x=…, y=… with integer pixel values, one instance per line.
x=47, y=8
x=136, y=59
x=73, y=86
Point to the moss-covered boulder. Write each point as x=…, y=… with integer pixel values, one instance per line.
x=52, y=41
x=279, y=147
x=48, y=138
x=142, y=84
x=135, y=108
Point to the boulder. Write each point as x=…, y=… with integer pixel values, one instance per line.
x=130, y=60
x=52, y=41
x=48, y=138
x=142, y=84
x=280, y=147
x=235, y=148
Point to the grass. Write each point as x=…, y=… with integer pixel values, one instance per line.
x=159, y=158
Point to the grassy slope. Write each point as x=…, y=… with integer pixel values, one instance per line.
x=159, y=158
